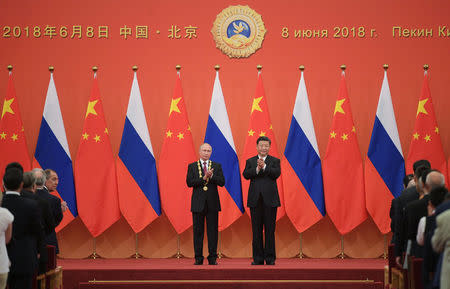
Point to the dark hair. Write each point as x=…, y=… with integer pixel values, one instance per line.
x=48, y=172
x=423, y=176
x=407, y=179
x=13, y=179
x=421, y=163
x=437, y=196
x=418, y=172
x=263, y=138
x=14, y=165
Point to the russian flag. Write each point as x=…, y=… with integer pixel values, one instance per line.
x=301, y=167
x=136, y=167
x=384, y=165
x=52, y=152
x=218, y=135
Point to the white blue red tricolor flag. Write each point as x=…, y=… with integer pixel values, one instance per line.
x=52, y=152
x=136, y=167
x=384, y=165
x=301, y=167
x=218, y=135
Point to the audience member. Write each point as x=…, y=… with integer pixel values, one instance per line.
x=22, y=250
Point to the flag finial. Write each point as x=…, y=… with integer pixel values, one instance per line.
x=217, y=67
x=343, y=67
x=259, y=67
x=51, y=69
x=9, y=67
x=94, y=68
x=385, y=67
x=301, y=67
x=425, y=67
x=178, y=67
x=135, y=68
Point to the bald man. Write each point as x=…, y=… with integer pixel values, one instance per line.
x=203, y=176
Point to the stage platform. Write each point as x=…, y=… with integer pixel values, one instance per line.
x=230, y=273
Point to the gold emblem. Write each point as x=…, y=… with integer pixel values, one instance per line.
x=238, y=31
x=205, y=188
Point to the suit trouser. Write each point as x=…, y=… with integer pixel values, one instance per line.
x=16, y=281
x=212, y=224
x=263, y=217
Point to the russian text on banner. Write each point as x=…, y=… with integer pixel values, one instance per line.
x=218, y=135
x=13, y=146
x=384, y=165
x=301, y=167
x=342, y=168
x=176, y=153
x=52, y=152
x=95, y=171
x=260, y=125
x=426, y=140
x=136, y=167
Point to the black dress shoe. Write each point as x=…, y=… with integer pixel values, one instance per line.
x=198, y=262
x=212, y=262
x=257, y=263
x=270, y=262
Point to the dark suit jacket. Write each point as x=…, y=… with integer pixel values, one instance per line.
x=413, y=212
x=199, y=196
x=22, y=249
x=264, y=183
x=44, y=207
x=400, y=230
x=55, y=207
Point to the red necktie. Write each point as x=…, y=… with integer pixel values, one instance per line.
x=204, y=168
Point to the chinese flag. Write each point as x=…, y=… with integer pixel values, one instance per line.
x=13, y=146
x=342, y=167
x=176, y=153
x=426, y=141
x=260, y=125
x=95, y=172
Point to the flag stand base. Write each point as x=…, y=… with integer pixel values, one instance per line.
x=136, y=256
x=94, y=256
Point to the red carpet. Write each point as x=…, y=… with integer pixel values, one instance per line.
x=238, y=273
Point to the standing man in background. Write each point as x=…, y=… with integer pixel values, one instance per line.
x=203, y=176
x=263, y=200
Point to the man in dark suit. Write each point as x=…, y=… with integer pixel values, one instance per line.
x=417, y=209
x=46, y=220
x=203, y=176
x=54, y=202
x=22, y=249
x=263, y=200
x=408, y=195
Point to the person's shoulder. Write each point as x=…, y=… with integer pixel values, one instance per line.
x=443, y=217
x=53, y=198
x=5, y=214
x=273, y=158
x=407, y=194
x=192, y=164
x=253, y=158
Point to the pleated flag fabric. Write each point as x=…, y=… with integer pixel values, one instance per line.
x=218, y=135
x=301, y=167
x=52, y=152
x=137, y=179
x=384, y=165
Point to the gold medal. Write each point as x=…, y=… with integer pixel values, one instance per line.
x=205, y=188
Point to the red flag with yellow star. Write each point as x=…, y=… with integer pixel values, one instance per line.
x=95, y=171
x=13, y=146
x=260, y=125
x=176, y=154
x=426, y=140
x=342, y=168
